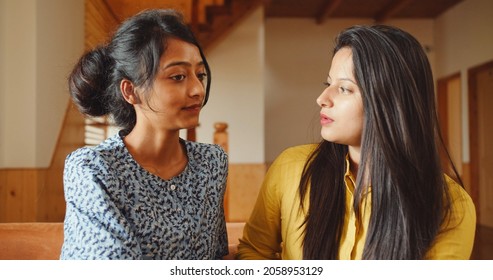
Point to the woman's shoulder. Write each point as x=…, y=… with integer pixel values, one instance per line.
x=456, y=191
x=296, y=154
x=462, y=205
x=104, y=152
x=197, y=148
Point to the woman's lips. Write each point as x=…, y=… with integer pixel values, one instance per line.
x=324, y=120
x=193, y=108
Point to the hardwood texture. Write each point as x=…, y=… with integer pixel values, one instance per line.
x=123, y=9
x=379, y=10
x=18, y=194
x=30, y=241
x=99, y=23
x=477, y=128
x=43, y=241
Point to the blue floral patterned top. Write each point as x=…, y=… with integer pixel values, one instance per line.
x=118, y=210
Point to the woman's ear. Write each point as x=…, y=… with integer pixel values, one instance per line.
x=129, y=92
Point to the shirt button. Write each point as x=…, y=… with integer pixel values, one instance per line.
x=172, y=187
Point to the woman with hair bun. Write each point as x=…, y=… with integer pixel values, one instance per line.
x=145, y=193
x=374, y=187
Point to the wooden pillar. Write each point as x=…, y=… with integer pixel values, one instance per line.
x=221, y=139
x=221, y=135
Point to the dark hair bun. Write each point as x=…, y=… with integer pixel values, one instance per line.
x=88, y=82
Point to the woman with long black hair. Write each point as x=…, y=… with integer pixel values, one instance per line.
x=374, y=188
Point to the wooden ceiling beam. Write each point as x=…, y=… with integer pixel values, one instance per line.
x=328, y=8
x=391, y=10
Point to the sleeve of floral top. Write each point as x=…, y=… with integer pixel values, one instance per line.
x=94, y=228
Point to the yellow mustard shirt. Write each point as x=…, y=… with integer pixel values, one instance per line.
x=273, y=230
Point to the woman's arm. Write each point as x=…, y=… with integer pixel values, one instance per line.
x=456, y=238
x=94, y=227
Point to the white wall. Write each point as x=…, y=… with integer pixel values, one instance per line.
x=237, y=92
x=17, y=90
x=3, y=72
x=297, y=60
x=59, y=43
x=40, y=41
x=464, y=37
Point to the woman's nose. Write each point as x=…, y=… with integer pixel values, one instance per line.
x=197, y=88
x=325, y=99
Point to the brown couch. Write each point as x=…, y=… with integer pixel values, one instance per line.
x=43, y=241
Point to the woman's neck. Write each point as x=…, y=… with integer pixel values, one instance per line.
x=159, y=152
x=354, y=159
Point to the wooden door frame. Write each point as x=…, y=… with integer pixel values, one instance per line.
x=442, y=111
x=473, y=131
x=442, y=104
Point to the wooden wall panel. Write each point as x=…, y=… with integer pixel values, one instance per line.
x=18, y=195
x=51, y=205
x=36, y=195
x=99, y=23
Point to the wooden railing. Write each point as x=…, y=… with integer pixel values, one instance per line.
x=96, y=131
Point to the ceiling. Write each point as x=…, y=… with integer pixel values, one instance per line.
x=319, y=10
x=380, y=10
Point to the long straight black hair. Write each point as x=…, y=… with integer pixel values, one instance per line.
x=400, y=157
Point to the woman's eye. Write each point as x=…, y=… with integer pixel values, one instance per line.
x=201, y=76
x=344, y=90
x=178, y=77
x=327, y=84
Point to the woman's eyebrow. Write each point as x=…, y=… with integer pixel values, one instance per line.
x=181, y=63
x=341, y=79
x=347, y=79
